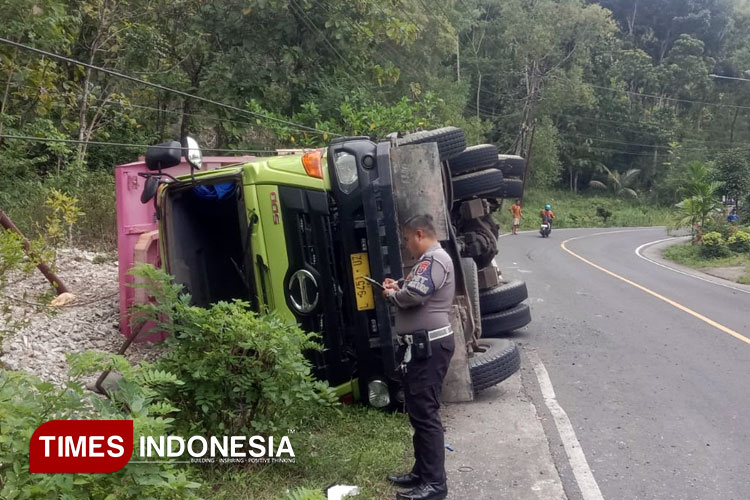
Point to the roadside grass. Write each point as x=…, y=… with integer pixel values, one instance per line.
x=580, y=210
x=689, y=255
x=353, y=445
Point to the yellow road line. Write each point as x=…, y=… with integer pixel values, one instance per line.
x=669, y=301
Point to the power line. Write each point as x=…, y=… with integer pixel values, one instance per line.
x=620, y=127
x=699, y=144
x=120, y=144
x=675, y=99
x=311, y=24
x=613, y=141
x=606, y=120
x=359, y=28
x=167, y=89
x=151, y=108
x=655, y=146
x=509, y=96
x=618, y=151
x=729, y=77
x=439, y=20
x=624, y=143
x=652, y=96
x=619, y=124
x=489, y=115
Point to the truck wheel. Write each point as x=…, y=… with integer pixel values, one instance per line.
x=469, y=269
x=450, y=140
x=511, y=188
x=511, y=165
x=477, y=183
x=499, y=361
x=495, y=324
x=502, y=297
x=474, y=158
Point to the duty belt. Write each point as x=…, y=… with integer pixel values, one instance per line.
x=407, y=339
x=438, y=333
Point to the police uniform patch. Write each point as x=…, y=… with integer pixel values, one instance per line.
x=421, y=283
x=423, y=266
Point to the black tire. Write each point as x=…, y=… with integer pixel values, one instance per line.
x=477, y=183
x=500, y=360
x=496, y=324
x=450, y=140
x=511, y=165
x=502, y=297
x=474, y=158
x=511, y=188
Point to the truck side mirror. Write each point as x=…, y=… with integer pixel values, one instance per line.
x=149, y=190
x=164, y=155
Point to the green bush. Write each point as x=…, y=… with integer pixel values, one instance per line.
x=26, y=403
x=244, y=373
x=739, y=242
x=718, y=225
x=714, y=246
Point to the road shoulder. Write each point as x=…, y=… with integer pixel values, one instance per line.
x=653, y=252
x=500, y=448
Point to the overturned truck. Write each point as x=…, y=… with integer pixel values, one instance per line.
x=298, y=233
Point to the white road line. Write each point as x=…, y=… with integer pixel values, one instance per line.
x=581, y=470
x=601, y=233
x=639, y=254
x=575, y=228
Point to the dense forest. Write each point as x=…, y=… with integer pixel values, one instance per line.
x=632, y=87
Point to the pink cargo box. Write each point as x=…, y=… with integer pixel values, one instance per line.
x=137, y=228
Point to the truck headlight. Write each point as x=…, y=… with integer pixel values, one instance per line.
x=346, y=172
x=378, y=394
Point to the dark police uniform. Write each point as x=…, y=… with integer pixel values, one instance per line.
x=424, y=303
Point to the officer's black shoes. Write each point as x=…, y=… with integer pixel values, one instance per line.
x=405, y=481
x=425, y=491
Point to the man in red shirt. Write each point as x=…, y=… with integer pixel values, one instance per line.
x=515, y=211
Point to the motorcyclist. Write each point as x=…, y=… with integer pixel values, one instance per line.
x=547, y=214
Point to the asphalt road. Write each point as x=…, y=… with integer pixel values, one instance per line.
x=658, y=398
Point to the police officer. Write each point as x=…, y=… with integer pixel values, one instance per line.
x=423, y=328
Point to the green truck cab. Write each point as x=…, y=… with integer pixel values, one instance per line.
x=296, y=234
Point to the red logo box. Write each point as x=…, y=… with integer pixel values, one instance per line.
x=81, y=446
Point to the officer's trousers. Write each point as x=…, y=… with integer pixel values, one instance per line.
x=423, y=383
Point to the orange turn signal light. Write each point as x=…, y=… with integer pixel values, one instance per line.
x=312, y=161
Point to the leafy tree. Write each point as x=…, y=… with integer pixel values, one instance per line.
x=618, y=184
x=545, y=166
x=733, y=171
x=621, y=83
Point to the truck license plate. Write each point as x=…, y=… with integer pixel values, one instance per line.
x=362, y=289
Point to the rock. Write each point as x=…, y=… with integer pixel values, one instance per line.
x=63, y=299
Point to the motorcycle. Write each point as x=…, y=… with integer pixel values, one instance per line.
x=545, y=229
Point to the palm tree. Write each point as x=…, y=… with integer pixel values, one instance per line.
x=702, y=202
x=696, y=176
x=619, y=184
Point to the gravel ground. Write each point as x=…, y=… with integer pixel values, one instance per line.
x=91, y=322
